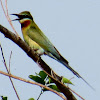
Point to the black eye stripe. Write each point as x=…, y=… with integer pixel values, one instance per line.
x=26, y=16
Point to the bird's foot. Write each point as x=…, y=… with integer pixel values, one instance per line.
x=39, y=52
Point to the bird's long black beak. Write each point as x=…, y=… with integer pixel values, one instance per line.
x=19, y=17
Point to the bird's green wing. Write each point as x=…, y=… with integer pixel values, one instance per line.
x=37, y=35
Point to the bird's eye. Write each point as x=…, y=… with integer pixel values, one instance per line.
x=25, y=16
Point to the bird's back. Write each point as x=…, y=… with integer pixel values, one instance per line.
x=38, y=36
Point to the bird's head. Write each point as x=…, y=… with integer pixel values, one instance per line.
x=23, y=16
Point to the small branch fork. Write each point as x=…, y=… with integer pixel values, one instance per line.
x=8, y=71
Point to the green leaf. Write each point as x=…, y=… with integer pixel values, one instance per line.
x=54, y=87
x=4, y=98
x=37, y=79
x=42, y=74
x=31, y=99
x=50, y=81
x=65, y=80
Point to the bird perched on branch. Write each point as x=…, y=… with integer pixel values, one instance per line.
x=36, y=39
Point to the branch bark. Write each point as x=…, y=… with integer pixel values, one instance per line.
x=64, y=89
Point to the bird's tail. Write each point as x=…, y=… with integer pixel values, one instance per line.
x=66, y=64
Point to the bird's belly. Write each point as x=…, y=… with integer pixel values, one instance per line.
x=34, y=45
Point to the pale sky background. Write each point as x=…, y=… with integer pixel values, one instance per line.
x=73, y=26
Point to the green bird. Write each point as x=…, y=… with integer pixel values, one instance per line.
x=36, y=39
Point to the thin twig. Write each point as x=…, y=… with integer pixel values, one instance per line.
x=4, y=61
x=7, y=16
x=31, y=82
x=10, y=60
x=9, y=20
x=3, y=8
x=40, y=94
x=3, y=57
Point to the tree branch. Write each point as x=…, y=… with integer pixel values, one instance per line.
x=64, y=89
x=31, y=82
